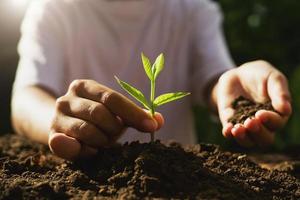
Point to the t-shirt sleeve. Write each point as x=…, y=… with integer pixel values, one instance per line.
x=210, y=56
x=41, y=49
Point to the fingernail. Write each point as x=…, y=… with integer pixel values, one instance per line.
x=226, y=132
x=234, y=128
x=150, y=125
x=247, y=121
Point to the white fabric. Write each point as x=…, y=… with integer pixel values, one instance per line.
x=63, y=40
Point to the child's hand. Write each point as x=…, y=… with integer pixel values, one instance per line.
x=258, y=81
x=90, y=116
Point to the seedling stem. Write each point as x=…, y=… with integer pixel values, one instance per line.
x=152, y=71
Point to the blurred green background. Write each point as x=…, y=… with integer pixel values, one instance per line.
x=262, y=29
x=255, y=29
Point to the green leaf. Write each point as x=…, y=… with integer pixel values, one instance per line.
x=147, y=66
x=166, y=98
x=158, y=65
x=138, y=95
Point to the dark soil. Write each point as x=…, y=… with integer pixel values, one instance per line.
x=138, y=171
x=244, y=109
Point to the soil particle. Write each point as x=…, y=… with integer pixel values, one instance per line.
x=244, y=109
x=138, y=171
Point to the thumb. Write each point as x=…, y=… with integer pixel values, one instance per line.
x=158, y=118
x=279, y=94
x=227, y=91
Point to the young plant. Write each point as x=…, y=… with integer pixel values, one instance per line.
x=152, y=71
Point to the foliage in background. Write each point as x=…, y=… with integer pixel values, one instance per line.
x=262, y=29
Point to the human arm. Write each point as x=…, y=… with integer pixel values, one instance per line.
x=257, y=80
x=91, y=115
x=44, y=62
x=32, y=112
x=260, y=82
x=87, y=117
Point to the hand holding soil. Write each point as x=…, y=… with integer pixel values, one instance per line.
x=90, y=116
x=260, y=82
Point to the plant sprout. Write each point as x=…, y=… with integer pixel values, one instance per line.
x=152, y=71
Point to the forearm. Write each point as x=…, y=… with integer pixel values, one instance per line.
x=32, y=112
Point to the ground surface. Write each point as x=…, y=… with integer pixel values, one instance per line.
x=140, y=171
x=145, y=171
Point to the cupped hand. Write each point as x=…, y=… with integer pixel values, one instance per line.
x=259, y=82
x=90, y=116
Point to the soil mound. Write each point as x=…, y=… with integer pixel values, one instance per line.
x=138, y=171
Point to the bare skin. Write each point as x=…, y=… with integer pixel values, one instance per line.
x=91, y=115
x=258, y=81
x=32, y=112
x=87, y=117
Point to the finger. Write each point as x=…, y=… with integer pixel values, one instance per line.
x=225, y=114
x=279, y=94
x=239, y=134
x=226, y=95
x=159, y=119
x=58, y=143
x=252, y=125
x=68, y=148
x=130, y=113
x=258, y=133
x=91, y=111
x=81, y=130
x=226, y=131
x=271, y=120
x=119, y=105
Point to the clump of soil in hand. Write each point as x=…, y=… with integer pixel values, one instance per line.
x=244, y=109
x=138, y=171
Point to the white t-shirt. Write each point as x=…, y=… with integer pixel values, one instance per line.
x=63, y=40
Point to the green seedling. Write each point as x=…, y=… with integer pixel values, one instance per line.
x=152, y=71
